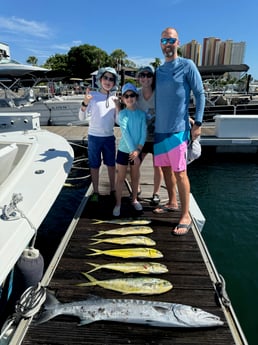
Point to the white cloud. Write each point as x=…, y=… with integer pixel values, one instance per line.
x=22, y=26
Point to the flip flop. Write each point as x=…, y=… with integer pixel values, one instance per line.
x=164, y=209
x=186, y=228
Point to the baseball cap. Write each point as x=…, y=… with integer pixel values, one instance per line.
x=129, y=87
x=194, y=150
x=146, y=69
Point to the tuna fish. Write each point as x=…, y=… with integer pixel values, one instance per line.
x=151, y=313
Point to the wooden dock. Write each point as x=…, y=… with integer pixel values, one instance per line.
x=191, y=271
x=209, y=141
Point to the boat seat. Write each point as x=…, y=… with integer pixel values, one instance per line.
x=7, y=157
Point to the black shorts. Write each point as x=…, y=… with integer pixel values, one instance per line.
x=148, y=147
x=122, y=158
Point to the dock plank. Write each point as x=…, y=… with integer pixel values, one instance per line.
x=187, y=272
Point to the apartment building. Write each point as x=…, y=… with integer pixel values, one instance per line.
x=214, y=52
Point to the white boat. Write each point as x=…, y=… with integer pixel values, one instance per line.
x=34, y=166
x=59, y=111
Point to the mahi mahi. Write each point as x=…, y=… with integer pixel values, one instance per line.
x=132, y=267
x=123, y=240
x=130, y=252
x=144, y=286
x=150, y=313
x=130, y=230
x=130, y=221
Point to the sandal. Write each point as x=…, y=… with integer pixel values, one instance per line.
x=183, y=228
x=155, y=200
x=165, y=209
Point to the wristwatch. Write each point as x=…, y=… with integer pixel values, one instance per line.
x=198, y=123
x=84, y=104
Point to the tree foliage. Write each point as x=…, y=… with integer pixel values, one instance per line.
x=85, y=59
x=58, y=62
x=32, y=60
x=82, y=60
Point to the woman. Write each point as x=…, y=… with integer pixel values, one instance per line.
x=146, y=102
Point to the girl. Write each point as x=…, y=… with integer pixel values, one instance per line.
x=132, y=123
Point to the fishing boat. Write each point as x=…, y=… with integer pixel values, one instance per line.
x=34, y=166
x=230, y=99
x=17, y=82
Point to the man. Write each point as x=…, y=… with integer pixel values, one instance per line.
x=175, y=80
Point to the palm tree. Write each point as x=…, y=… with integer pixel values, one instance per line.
x=156, y=63
x=32, y=60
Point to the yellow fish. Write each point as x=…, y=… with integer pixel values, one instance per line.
x=130, y=252
x=145, y=286
x=130, y=230
x=131, y=221
x=132, y=267
x=138, y=240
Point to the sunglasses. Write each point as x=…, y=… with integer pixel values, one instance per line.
x=170, y=40
x=108, y=78
x=145, y=75
x=131, y=95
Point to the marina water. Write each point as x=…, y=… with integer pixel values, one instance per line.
x=226, y=190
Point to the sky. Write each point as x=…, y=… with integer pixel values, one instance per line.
x=43, y=29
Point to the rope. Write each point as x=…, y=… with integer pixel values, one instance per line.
x=221, y=288
x=12, y=212
x=31, y=301
x=29, y=305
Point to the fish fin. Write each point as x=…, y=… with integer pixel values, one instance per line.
x=96, y=242
x=51, y=300
x=97, y=221
x=98, y=234
x=96, y=267
x=91, y=279
x=86, y=284
x=96, y=252
x=44, y=316
x=49, y=310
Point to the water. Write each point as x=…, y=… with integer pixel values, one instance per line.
x=226, y=190
x=57, y=221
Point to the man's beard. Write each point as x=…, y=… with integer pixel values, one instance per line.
x=168, y=52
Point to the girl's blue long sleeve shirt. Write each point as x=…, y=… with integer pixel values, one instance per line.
x=133, y=129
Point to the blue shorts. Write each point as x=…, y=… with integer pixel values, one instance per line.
x=122, y=158
x=99, y=147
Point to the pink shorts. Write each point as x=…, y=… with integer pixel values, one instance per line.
x=175, y=158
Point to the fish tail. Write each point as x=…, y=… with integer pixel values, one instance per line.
x=50, y=311
x=96, y=242
x=96, y=267
x=92, y=281
x=99, y=234
x=96, y=251
x=97, y=221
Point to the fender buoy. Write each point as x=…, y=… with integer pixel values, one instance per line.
x=28, y=271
